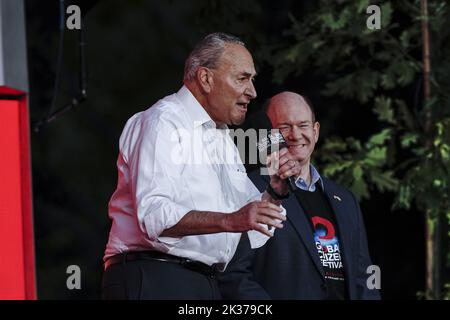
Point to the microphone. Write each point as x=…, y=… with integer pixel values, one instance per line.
x=270, y=142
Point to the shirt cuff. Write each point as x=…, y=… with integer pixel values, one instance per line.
x=258, y=239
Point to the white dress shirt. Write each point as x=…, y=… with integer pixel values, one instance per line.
x=172, y=159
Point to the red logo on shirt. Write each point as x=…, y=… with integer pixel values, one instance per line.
x=327, y=225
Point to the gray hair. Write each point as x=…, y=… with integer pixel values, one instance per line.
x=207, y=52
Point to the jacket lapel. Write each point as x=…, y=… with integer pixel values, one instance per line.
x=297, y=217
x=340, y=209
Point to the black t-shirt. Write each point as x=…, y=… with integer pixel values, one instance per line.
x=326, y=238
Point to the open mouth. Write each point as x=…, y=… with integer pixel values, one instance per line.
x=242, y=106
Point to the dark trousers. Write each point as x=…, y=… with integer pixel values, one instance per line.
x=152, y=279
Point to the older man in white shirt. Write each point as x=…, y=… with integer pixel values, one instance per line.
x=183, y=197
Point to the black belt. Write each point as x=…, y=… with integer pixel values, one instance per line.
x=210, y=271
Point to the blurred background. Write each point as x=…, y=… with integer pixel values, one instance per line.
x=381, y=135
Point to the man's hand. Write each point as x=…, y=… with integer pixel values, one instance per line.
x=282, y=165
x=253, y=214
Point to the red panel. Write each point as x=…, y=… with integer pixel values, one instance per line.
x=27, y=210
x=12, y=282
x=16, y=233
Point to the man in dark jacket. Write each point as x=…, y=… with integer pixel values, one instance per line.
x=321, y=252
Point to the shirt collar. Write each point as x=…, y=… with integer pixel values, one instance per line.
x=315, y=176
x=194, y=109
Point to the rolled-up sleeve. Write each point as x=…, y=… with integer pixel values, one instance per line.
x=152, y=148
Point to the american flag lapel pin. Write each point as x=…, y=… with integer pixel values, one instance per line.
x=337, y=198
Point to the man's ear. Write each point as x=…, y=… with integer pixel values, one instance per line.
x=205, y=80
x=316, y=131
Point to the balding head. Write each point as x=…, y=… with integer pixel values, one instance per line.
x=288, y=98
x=293, y=116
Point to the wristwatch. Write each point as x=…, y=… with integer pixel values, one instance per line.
x=275, y=195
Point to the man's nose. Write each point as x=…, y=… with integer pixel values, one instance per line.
x=295, y=133
x=250, y=91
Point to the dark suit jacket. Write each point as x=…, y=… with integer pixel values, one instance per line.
x=288, y=265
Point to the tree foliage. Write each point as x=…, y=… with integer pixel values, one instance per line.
x=380, y=70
